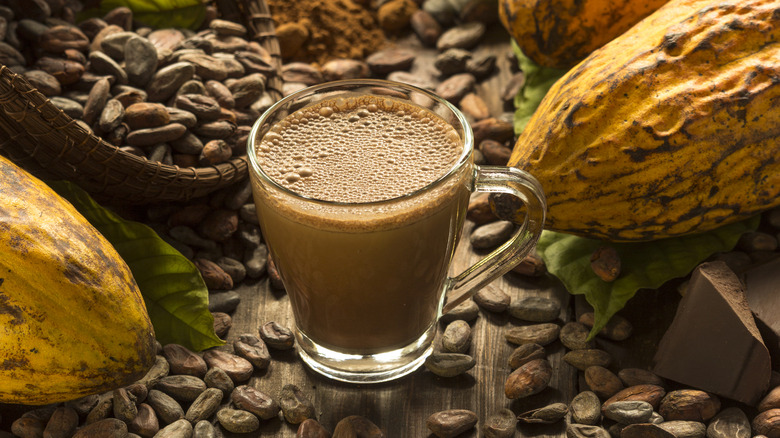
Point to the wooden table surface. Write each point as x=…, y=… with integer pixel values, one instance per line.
x=400, y=408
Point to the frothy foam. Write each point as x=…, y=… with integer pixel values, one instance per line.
x=359, y=149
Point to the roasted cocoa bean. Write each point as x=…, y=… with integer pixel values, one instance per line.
x=528, y=379
x=238, y=368
x=456, y=337
x=449, y=364
x=500, y=425
x=296, y=407
x=602, y=381
x=255, y=401
x=549, y=414
x=574, y=336
x=689, y=404
x=542, y=334
x=184, y=361
x=535, y=309
x=585, y=408
x=219, y=379
x=451, y=423
x=277, y=336
x=204, y=406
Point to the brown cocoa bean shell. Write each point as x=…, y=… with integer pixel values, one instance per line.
x=301, y=72
x=426, y=27
x=214, y=276
x=44, y=82
x=296, y=407
x=222, y=324
x=145, y=422
x=574, y=336
x=253, y=349
x=495, y=152
x=542, y=334
x=389, y=60
x=451, y=423
x=215, y=152
x=67, y=72
x=639, y=376
x=493, y=129
x=337, y=69
x=58, y=39
x=455, y=87
x=603, y=381
x=479, y=210
x=528, y=379
x=456, y=337
x=526, y=353
x=238, y=368
x=219, y=225
x=473, y=105
x=500, y=425
x=583, y=359
x=255, y=401
x=645, y=430
x=148, y=137
x=770, y=401
x=689, y=404
x=652, y=394
x=767, y=423
x=492, y=299
x=108, y=427
x=449, y=364
x=310, y=428
x=184, y=361
x=63, y=423
x=277, y=336
x=549, y=414
x=530, y=266
x=10, y=56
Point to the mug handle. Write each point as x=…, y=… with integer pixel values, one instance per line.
x=520, y=184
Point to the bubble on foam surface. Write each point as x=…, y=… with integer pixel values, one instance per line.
x=359, y=149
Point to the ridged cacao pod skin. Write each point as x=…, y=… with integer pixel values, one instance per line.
x=673, y=128
x=72, y=320
x=561, y=33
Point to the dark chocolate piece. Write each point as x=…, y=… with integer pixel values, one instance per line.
x=762, y=287
x=713, y=343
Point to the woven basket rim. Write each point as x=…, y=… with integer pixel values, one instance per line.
x=39, y=137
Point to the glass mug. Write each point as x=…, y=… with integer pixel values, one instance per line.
x=368, y=280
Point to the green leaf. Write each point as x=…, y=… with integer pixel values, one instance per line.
x=174, y=292
x=644, y=265
x=538, y=80
x=186, y=14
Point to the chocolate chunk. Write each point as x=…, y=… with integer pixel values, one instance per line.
x=713, y=343
x=762, y=287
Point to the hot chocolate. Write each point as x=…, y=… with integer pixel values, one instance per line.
x=368, y=277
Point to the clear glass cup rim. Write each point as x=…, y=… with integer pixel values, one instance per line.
x=468, y=138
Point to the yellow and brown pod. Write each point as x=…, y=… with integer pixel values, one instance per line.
x=672, y=128
x=561, y=33
x=72, y=320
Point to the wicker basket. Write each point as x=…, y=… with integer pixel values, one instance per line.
x=46, y=142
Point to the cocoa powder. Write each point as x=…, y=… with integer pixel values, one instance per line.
x=320, y=30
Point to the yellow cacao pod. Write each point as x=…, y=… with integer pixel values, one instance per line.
x=670, y=129
x=560, y=33
x=72, y=320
